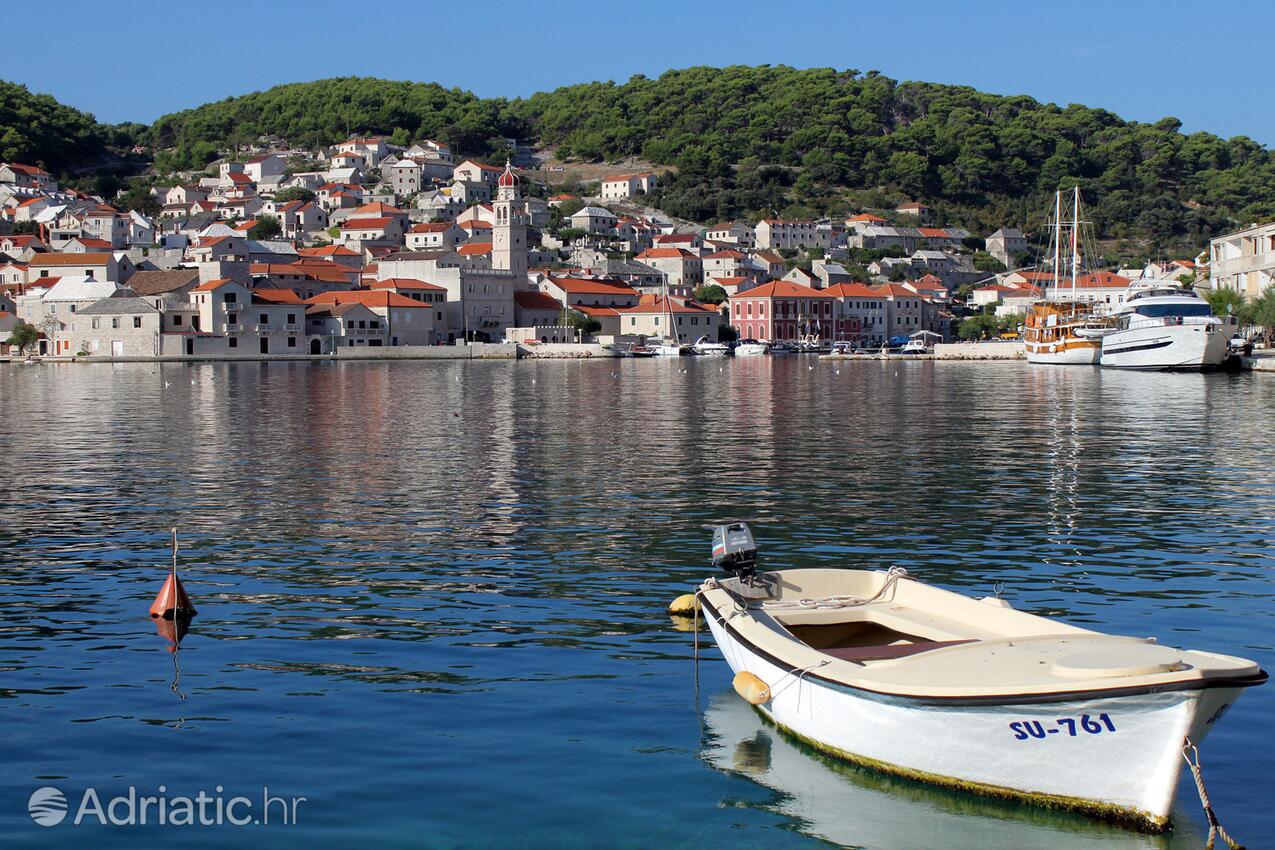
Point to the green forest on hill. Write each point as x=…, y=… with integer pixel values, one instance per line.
x=752, y=141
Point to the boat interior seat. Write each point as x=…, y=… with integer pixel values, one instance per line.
x=889, y=651
x=879, y=625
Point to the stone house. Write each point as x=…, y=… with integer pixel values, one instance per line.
x=119, y=325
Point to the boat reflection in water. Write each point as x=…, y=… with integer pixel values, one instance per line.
x=854, y=806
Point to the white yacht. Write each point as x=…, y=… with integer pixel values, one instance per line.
x=1163, y=325
x=704, y=346
x=751, y=348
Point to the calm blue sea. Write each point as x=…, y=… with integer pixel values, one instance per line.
x=431, y=595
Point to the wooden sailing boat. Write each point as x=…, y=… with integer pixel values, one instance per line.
x=1062, y=329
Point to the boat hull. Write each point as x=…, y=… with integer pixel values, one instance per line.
x=749, y=350
x=1071, y=351
x=1116, y=757
x=1167, y=347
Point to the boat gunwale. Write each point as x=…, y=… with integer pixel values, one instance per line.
x=1012, y=698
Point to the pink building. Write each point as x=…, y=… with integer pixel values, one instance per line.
x=782, y=310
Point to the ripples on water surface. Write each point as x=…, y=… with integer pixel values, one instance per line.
x=431, y=595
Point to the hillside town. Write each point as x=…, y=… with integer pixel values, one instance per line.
x=368, y=244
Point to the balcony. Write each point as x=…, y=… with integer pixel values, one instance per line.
x=292, y=327
x=266, y=327
x=234, y=328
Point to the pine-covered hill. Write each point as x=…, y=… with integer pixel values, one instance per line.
x=758, y=140
x=324, y=112
x=753, y=141
x=37, y=130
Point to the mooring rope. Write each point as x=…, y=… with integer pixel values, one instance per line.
x=891, y=578
x=1191, y=753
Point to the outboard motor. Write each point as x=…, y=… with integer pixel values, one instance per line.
x=734, y=550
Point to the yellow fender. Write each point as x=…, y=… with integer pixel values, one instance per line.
x=751, y=688
x=685, y=605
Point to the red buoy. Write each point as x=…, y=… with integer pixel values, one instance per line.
x=172, y=602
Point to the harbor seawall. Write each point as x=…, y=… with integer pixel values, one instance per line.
x=473, y=351
x=979, y=351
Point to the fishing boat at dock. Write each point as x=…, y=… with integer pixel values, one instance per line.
x=882, y=670
x=1063, y=330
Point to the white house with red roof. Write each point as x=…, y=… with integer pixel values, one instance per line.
x=733, y=232
x=650, y=317
x=687, y=241
x=627, y=185
x=473, y=171
x=434, y=234
x=371, y=150
x=595, y=292
x=916, y=209
x=728, y=263
x=791, y=234
x=265, y=168
x=29, y=176
x=860, y=314
x=396, y=319
x=682, y=269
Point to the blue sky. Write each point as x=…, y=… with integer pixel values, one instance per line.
x=1208, y=65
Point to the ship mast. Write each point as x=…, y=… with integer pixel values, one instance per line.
x=1057, y=236
x=1075, y=236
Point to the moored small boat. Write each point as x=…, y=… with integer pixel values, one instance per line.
x=885, y=671
x=703, y=346
x=750, y=348
x=642, y=351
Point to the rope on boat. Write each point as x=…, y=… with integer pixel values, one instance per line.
x=891, y=578
x=1191, y=753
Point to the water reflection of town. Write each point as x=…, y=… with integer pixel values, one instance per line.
x=395, y=489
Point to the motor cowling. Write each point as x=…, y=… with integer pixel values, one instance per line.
x=734, y=549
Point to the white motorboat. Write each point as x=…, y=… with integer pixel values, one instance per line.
x=750, y=348
x=1163, y=325
x=882, y=670
x=668, y=348
x=703, y=346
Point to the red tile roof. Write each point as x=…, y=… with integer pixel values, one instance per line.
x=853, y=290
x=212, y=285
x=590, y=286
x=406, y=283
x=664, y=254
x=784, y=289
x=275, y=296
x=327, y=251
x=366, y=223
x=368, y=298
x=377, y=208
x=532, y=300
x=662, y=304
x=472, y=249
x=85, y=259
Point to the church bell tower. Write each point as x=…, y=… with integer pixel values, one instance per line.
x=509, y=234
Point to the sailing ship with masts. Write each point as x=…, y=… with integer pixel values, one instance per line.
x=1063, y=329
